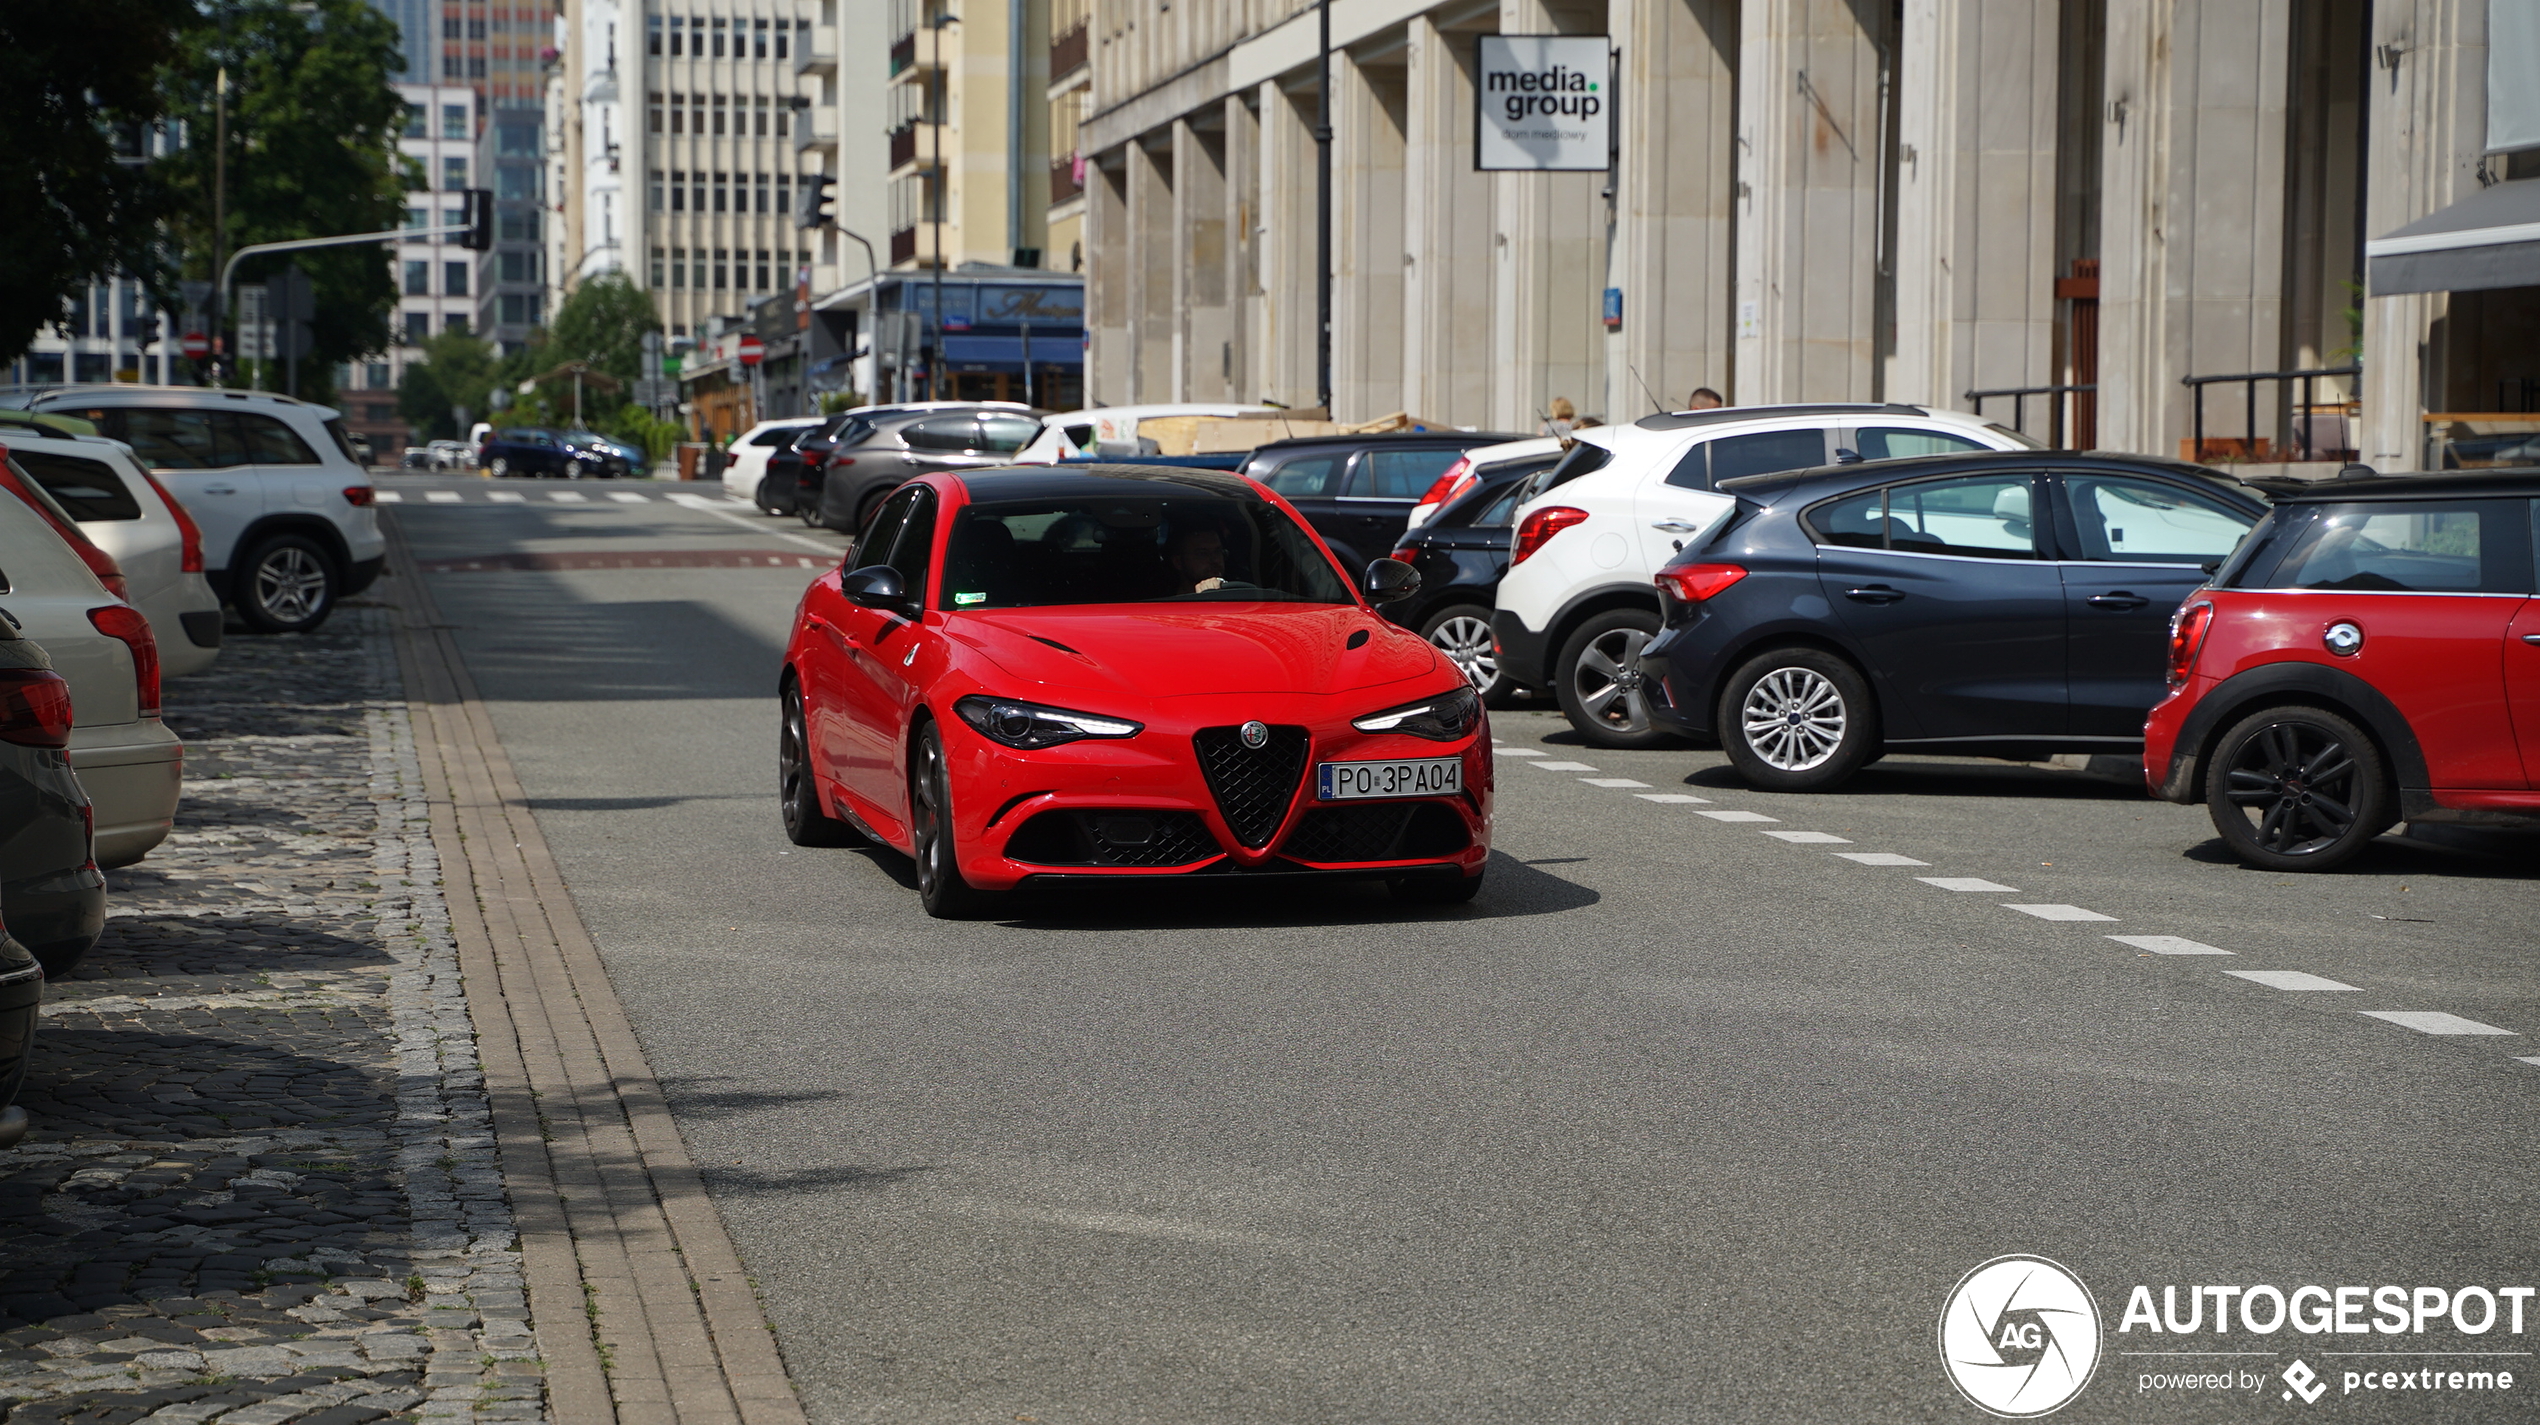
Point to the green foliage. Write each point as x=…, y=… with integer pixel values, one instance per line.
x=69, y=69
x=313, y=128
x=634, y=424
x=832, y=402
x=603, y=322
x=457, y=370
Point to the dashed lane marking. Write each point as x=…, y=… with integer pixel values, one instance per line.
x=2168, y=944
x=1810, y=838
x=441, y=497
x=629, y=497
x=1880, y=858
x=1562, y=766
x=2058, y=912
x=2531, y=1059
x=569, y=497
x=1517, y=752
x=506, y=497
x=2433, y=1021
x=1968, y=883
x=1673, y=799
x=2290, y=980
x=1612, y=782
x=1737, y=816
x=387, y=497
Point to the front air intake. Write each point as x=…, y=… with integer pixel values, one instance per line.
x=1253, y=785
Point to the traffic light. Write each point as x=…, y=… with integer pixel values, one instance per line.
x=815, y=202
x=480, y=220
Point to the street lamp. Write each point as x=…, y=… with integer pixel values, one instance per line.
x=935, y=332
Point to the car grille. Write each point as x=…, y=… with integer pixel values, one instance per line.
x=1379, y=831
x=1253, y=788
x=1127, y=837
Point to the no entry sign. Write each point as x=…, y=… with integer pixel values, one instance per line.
x=750, y=349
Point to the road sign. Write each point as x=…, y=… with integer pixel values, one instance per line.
x=196, y=345
x=751, y=350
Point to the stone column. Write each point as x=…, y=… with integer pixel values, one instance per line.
x=1242, y=149
x=1110, y=258
x=1675, y=250
x=1447, y=358
x=1367, y=237
x=1152, y=324
x=1202, y=334
x=1975, y=200
x=1808, y=232
x=1284, y=337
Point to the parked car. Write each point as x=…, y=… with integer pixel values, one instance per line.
x=1123, y=671
x=1358, y=491
x=360, y=446
x=745, y=464
x=21, y=998
x=418, y=457
x=541, y=454
x=1114, y=430
x=1460, y=550
x=102, y=647
x=2370, y=656
x=619, y=460
x=126, y=513
x=1578, y=602
x=780, y=490
x=450, y=455
x=845, y=476
x=52, y=896
x=1981, y=604
x=287, y=518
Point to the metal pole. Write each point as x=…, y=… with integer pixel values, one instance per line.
x=220, y=200
x=935, y=330
x=1323, y=209
x=872, y=310
x=2199, y=454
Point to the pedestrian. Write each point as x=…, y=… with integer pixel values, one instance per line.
x=1564, y=418
x=1704, y=399
x=1587, y=421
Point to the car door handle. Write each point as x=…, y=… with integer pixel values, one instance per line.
x=1874, y=594
x=2120, y=600
x=220, y=489
x=1674, y=526
x=2532, y=639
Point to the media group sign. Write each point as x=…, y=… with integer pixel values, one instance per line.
x=1546, y=104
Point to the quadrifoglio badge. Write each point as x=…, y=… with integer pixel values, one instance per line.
x=2020, y=1336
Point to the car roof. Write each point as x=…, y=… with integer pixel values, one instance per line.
x=118, y=393
x=2499, y=483
x=1458, y=439
x=1856, y=474
x=1060, y=482
x=1725, y=415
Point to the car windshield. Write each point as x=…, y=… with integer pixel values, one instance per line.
x=1133, y=549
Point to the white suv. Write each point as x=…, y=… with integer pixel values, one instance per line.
x=285, y=509
x=1579, y=600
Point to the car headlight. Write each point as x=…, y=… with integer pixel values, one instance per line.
x=1031, y=726
x=1448, y=717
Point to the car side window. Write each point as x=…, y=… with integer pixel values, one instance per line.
x=1855, y=521
x=775, y=437
x=942, y=433
x=1766, y=452
x=2132, y=521
x=1981, y=517
x=1400, y=474
x=1693, y=470
x=89, y=489
x=262, y=440
x=2432, y=547
x=1308, y=475
x=1501, y=510
x=1896, y=442
x=1004, y=435
x=873, y=546
x=916, y=546
x=176, y=439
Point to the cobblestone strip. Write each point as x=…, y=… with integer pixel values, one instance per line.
x=613, y=1213
x=262, y=1187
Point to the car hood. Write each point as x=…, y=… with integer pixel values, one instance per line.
x=1173, y=650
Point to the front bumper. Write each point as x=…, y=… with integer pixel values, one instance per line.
x=134, y=773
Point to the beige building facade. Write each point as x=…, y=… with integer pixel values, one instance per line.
x=1817, y=200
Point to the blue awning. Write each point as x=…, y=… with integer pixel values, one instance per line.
x=966, y=352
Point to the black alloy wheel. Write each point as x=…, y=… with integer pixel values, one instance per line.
x=286, y=584
x=797, y=792
x=1797, y=720
x=1461, y=632
x=1598, y=681
x=940, y=887
x=2298, y=788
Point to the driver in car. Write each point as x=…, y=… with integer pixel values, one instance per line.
x=1197, y=556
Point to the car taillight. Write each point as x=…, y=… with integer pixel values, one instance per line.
x=812, y=460
x=1408, y=554
x=359, y=494
x=123, y=621
x=1457, y=479
x=2187, y=639
x=1695, y=582
x=186, y=528
x=840, y=460
x=35, y=708
x=1542, y=525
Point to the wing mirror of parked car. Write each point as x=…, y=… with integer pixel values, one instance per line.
x=875, y=586
x=1391, y=579
x=1845, y=455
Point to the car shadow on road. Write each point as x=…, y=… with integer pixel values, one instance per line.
x=2462, y=853
x=1512, y=888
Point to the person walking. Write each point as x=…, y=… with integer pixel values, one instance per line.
x=1564, y=418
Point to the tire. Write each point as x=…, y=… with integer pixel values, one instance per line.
x=940, y=887
x=765, y=498
x=1461, y=632
x=1597, y=679
x=1435, y=890
x=2297, y=788
x=810, y=513
x=501, y=469
x=1798, y=720
x=286, y=584
x=807, y=823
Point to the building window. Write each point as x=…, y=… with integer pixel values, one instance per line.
x=517, y=140
x=515, y=267
x=516, y=309
x=418, y=328
x=677, y=27
x=758, y=107
x=652, y=34
x=449, y=27
x=475, y=70
x=763, y=270
x=414, y=121
x=375, y=378
x=418, y=279
x=697, y=191
x=783, y=112
x=678, y=113
x=657, y=269
x=455, y=323
x=476, y=29
x=517, y=227
x=780, y=41
x=784, y=192
x=720, y=257
x=454, y=174
x=679, y=267
x=454, y=279
x=758, y=38
x=454, y=121
x=697, y=114
x=718, y=37
x=718, y=193
x=657, y=197
x=653, y=109
x=678, y=192
x=452, y=218
x=417, y=219
x=718, y=102
x=452, y=67
x=761, y=186
x=518, y=182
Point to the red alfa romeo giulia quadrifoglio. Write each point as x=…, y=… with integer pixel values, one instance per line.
x=1124, y=671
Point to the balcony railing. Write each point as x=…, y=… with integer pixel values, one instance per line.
x=903, y=246
x=1069, y=51
x=2057, y=398
x=903, y=146
x=904, y=52
x=817, y=54
x=2303, y=431
x=1064, y=183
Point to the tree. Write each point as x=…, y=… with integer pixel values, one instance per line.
x=313, y=127
x=457, y=370
x=603, y=322
x=71, y=76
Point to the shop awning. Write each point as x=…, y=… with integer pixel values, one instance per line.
x=2487, y=240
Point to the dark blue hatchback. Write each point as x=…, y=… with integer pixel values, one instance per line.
x=2011, y=604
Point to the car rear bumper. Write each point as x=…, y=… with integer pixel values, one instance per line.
x=134, y=773
x=1522, y=654
x=58, y=916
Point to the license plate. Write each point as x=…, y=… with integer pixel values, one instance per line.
x=1353, y=781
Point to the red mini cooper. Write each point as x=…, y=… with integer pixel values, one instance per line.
x=2369, y=655
x=1107, y=671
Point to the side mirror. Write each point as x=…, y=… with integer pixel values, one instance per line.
x=875, y=586
x=1845, y=455
x=1391, y=579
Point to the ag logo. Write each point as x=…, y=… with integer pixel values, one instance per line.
x=1256, y=734
x=2020, y=1336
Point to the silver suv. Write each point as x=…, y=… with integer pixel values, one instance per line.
x=285, y=507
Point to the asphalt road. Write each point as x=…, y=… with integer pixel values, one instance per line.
x=1694, y=1114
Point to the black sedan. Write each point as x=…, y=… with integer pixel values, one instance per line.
x=1996, y=604
x=527, y=450
x=1358, y=491
x=1461, y=551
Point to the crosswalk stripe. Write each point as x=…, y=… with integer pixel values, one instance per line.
x=629, y=497
x=442, y=497
x=506, y=497
x=388, y=497
x=569, y=497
